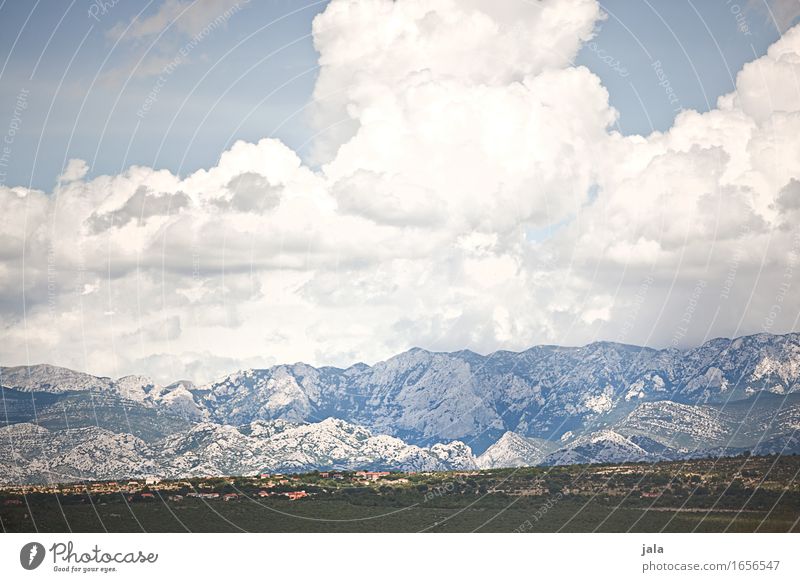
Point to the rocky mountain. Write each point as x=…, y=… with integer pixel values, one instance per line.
x=513, y=450
x=604, y=446
x=545, y=392
x=87, y=409
x=211, y=449
x=44, y=378
x=52, y=379
x=534, y=406
x=35, y=454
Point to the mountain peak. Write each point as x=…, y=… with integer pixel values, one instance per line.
x=509, y=407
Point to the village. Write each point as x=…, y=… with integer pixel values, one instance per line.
x=744, y=490
x=151, y=488
x=646, y=482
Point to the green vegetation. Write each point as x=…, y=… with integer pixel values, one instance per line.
x=732, y=494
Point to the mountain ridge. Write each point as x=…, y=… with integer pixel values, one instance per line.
x=725, y=395
x=360, y=364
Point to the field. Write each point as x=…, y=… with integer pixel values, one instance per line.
x=741, y=494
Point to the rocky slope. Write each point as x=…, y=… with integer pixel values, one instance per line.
x=211, y=449
x=514, y=407
x=34, y=454
x=513, y=450
x=544, y=392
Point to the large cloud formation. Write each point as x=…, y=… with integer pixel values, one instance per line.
x=470, y=193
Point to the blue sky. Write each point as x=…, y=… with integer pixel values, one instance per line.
x=441, y=175
x=251, y=77
x=702, y=45
x=226, y=79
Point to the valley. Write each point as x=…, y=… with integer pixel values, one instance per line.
x=733, y=494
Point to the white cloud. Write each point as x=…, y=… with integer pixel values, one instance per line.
x=371, y=51
x=75, y=170
x=465, y=129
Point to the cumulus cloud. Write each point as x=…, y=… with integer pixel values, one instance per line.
x=423, y=42
x=471, y=194
x=75, y=170
x=139, y=207
x=789, y=197
x=251, y=192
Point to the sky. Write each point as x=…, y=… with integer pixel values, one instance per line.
x=189, y=188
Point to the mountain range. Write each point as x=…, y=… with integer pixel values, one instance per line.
x=418, y=410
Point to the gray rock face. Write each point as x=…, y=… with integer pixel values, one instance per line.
x=35, y=454
x=544, y=392
x=47, y=378
x=536, y=406
x=605, y=446
x=210, y=449
x=513, y=450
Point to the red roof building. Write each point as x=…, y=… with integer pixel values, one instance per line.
x=374, y=475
